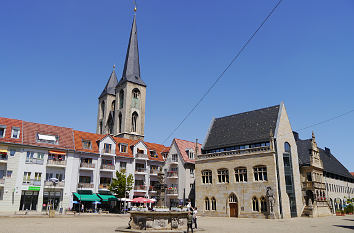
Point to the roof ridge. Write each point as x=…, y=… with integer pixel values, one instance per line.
x=248, y=112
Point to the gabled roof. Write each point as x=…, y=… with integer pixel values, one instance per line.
x=330, y=163
x=111, y=85
x=183, y=146
x=242, y=129
x=158, y=148
x=79, y=136
x=131, y=71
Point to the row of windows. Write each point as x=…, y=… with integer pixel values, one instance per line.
x=233, y=199
x=242, y=147
x=339, y=188
x=15, y=132
x=259, y=174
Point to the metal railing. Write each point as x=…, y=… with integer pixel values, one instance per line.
x=172, y=174
x=140, y=187
x=85, y=185
x=154, y=171
x=107, y=166
x=143, y=170
x=35, y=161
x=56, y=162
x=87, y=165
x=32, y=182
x=48, y=183
x=172, y=191
x=110, y=152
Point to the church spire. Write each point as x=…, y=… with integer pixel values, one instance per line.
x=111, y=84
x=131, y=71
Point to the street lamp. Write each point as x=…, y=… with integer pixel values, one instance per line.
x=54, y=183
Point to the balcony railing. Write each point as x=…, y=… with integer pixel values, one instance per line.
x=108, y=152
x=85, y=185
x=32, y=182
x=87, y=165
x=141, y=156
x=56, y=162
x=2, y=180
x=313, y=184
x=35, y=161
x=172, y=191
x=107, y=167
x=140, y=170
x=140, y=187
x=172, y=174
x=257, y=150
x=48, y=183
x=104, y=186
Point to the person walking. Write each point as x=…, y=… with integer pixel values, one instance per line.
x=195, y=211
x=189, y=222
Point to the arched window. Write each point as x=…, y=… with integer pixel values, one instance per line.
x=223, y=175
x=101, y=127
x=287, y=147
x=263, y=204
x=207, y=177
x=255, y=206
x=207, y=204
x=260, y=173
x=136, y=97
x=134, y=121
x=113, y=106
x=213, y=203
x=232, y=198
x=110, y=125
x=120, y=122
x=121, y=99
x=241, y=174
x=102, y=108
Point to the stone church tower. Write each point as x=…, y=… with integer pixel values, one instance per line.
x=121, y=110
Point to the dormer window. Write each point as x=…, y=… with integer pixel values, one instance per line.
x=190, y=153
x=123, y=148
x=2, y=131
x=153, y=153
x=107, y=148
x=86, y=144
x=50, y=139
x=15, y=133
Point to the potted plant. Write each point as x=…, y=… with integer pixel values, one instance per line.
x=338, y=213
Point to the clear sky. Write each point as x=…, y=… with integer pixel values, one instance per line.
x=56, y=57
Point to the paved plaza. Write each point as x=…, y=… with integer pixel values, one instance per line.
x=105, y=224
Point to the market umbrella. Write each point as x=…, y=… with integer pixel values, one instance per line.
x=141, y=200
x=153, y=200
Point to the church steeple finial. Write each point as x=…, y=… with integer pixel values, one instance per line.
x=131, y=71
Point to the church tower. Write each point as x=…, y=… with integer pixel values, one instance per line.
x=125, y=114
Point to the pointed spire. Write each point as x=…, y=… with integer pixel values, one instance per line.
x=131, y=71
x=111, y=84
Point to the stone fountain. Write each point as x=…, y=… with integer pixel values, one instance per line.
x=160, y=219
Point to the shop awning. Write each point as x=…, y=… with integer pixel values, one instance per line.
x=3, y=151
x=57, y=152
x=87, y=197
x=107, y=197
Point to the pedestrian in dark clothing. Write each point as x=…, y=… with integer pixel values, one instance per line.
x=189, y=222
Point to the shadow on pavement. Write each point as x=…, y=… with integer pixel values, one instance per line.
x=348, y=227
x=349, y=219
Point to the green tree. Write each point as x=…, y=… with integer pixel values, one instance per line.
x=121, y=184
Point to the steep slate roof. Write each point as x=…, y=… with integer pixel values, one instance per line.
x=330, y=163
x=131, y=71
x=9, y=123
x=183, y=145
x=111, y=85
x=242, y=129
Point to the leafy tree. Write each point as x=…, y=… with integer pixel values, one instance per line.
x=121, y=184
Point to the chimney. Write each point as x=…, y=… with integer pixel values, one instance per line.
x=327, y=150
x=296, y=136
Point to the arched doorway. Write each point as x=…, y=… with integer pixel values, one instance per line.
x=233, y=204
x=309, y=197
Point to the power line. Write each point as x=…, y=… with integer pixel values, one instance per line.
x=223, y=72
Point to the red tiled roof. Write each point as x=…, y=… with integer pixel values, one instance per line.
x=158, y=148
x=352, y=173
x=183, y=145
x=9, y=123
x=129, y=142
x=30, y=131
x=92, y=137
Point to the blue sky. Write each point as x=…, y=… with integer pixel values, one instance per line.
x=56, y=57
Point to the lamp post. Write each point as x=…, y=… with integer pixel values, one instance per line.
x=51, y=209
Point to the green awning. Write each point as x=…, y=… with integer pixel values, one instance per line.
x=107, y=197
x=87, y=197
